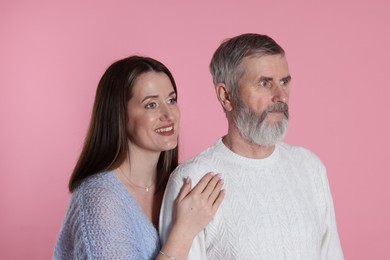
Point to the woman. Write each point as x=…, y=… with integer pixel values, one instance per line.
x=119, y=180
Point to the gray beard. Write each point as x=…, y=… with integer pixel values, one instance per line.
x=255, y=129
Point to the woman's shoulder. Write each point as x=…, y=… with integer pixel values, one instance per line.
x=100, y=189
x=98, y=180
x=106, y=219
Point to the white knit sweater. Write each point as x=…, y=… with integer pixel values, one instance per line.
x=275, y=208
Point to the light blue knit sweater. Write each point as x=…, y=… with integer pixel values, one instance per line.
x=104, y=221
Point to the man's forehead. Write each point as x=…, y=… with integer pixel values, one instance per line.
x=265, y=57
x=267, y=63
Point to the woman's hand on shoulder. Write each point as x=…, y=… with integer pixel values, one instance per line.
x=196, y=208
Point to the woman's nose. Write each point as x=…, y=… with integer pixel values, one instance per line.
x=167, y=113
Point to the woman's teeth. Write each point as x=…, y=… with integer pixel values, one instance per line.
x=163, y=130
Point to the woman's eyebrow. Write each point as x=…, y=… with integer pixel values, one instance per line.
x=150, y=97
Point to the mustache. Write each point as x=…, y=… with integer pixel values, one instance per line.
x=279, y=107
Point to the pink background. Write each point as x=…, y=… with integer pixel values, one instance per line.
x=53, y=53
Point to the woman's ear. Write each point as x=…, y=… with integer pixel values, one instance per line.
x=223, y=96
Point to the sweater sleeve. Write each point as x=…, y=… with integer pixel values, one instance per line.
x=175, y=183
x=330, y=246
x=104, y=221
x=106, y=229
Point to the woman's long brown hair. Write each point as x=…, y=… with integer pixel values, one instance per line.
x=106, y=144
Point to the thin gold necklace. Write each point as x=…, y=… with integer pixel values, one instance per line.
x=135, y=185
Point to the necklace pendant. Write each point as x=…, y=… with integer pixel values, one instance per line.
x=147, y=189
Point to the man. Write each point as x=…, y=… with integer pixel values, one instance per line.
x=278, y=203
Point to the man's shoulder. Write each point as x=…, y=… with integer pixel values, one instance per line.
x=301, y=156
x=295, y=150
x=198, y=165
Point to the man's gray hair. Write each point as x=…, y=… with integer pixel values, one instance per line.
x=227, y=66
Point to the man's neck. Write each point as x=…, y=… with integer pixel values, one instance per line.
x=234, y=141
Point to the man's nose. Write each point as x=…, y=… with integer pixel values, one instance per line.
x=280, y=94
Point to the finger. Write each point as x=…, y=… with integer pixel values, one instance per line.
x=218, y=201
x=185, y=189
x=211, y=185
x=215, y=192
x=203, y=182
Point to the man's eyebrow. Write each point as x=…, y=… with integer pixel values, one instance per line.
x=265, y=78
x=288, y=78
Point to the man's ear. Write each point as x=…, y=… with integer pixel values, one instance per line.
x=224, y=96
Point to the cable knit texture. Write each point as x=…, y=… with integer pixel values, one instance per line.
x=104, y=221
x=275, y=208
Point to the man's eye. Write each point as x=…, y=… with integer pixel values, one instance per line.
x=264, y=83
x=284, y=82
x=151, y=105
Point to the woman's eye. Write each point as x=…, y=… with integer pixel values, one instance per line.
x=172, y=101
x=151, y=105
